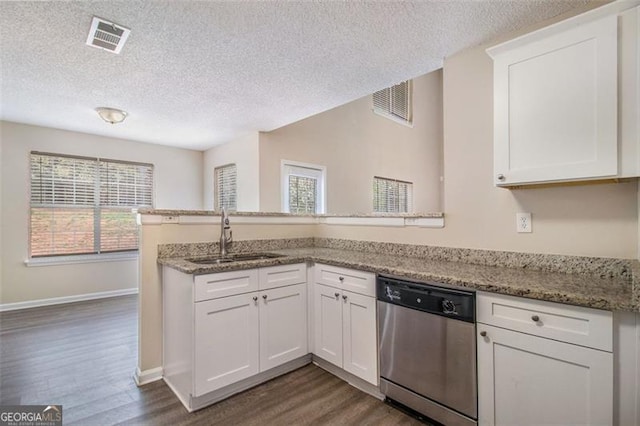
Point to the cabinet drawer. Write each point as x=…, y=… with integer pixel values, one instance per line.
x=346, y=279
x=572, y=324
x=282, y=275
x=211, y=286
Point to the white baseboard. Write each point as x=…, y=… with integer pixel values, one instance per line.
x=66, y=299
x=147, y=376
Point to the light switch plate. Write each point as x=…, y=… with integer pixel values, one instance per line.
x=523, y=222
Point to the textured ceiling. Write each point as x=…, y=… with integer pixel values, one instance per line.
x=194, y=74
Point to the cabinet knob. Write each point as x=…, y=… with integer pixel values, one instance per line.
x=344, y=297
x=535, y=318
x=501, y=176
x=337, y=295
x=483, y=333
x=341, y=279
x=264, y=296
x=255, y=298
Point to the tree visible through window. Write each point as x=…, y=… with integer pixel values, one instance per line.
x=303, y=188
x=302, y=194
x=392, y=196
x=85, y=205
x=225, y=194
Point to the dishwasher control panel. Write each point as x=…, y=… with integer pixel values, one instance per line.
x=427, y=297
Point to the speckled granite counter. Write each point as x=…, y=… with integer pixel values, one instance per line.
x=610, y=290
x=167, y=212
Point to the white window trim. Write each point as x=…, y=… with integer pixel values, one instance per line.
x=81, y=258
x=393, y=118
x=321, y=199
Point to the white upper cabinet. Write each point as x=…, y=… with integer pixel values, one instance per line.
x=563, y=96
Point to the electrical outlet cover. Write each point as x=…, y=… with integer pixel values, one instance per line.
x=170, y=219
x=523, y=222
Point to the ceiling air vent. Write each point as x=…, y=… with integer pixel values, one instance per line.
x=107, y=35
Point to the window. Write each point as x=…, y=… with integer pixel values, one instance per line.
x=303, y=188
x=395, y=102
x=85, y=205
x=392, y=196
x=225, y=187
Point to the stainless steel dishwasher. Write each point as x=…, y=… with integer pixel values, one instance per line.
x=427, y=344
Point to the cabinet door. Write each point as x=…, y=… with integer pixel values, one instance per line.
x=360, y=350
x=328, y=324
x=527, y=380
x=629, y=92
x=555, y=105
x=283, y=325
x=226, y=341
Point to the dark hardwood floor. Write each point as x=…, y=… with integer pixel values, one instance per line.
x=82, y=355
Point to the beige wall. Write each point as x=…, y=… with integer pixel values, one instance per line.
x=1, y=214
x=592, y=220
x=150, y=324
x=355, y=145
x=244, y=153
x=178, y=184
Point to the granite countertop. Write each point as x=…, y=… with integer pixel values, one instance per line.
x=612, y=293
x=168, y=212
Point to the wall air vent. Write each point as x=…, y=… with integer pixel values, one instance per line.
x=107, y=35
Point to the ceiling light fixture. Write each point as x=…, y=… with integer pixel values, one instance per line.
x=112, y=115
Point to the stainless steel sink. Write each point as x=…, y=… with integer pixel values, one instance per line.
x=230, y=258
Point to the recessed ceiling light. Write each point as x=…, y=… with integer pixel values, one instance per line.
x=112, y=115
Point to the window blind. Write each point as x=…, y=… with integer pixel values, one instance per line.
x=125, y=184
x=392, y=195
x=394, y=101
x=84, y=205
x=226, y=187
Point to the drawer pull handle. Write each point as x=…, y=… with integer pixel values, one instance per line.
x=535, y=318
x=483, y=333
x=341, y=279
x=337, y=295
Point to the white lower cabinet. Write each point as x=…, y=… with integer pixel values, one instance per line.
x=345, y=323
x=226, y=342
x=359, y=346
x=212, y=344
x=525, y=379
x=328, y=324
x=283, y=325
x=239, y=336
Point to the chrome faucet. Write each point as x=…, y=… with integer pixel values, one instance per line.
x=224, y=227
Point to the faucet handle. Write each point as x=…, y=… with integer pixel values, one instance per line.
x=230, y=240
